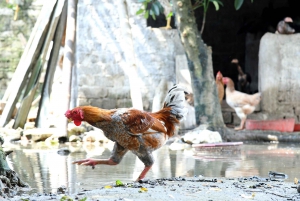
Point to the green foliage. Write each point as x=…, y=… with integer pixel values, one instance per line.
x=150, y=7
x=239, y=3
x=66, y=198
x=119, y=183
x=205, y=4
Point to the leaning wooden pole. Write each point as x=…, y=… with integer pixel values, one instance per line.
x=68, y=63
x=43, y=111
x=27, y=61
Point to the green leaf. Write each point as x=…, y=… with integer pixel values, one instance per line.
x=238, y=4
x=219, y=2
x=119, y=183
x=140, y=11
x=155, y=8
x=153, y=16
x=83, y=199
x=145, y=5
x=66, y=198
x=170, y=14
x=146, y=15
x=151, y=12
x=216, y=5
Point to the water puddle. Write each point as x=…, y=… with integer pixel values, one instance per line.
x=45, y=170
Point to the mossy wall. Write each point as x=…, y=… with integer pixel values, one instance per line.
x=14, y=35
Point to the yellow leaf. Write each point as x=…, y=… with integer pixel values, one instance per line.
x=107, y=187
x=248, y=196
x=215, y=189
x=142, y=190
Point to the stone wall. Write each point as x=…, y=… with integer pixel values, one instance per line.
x=14, y=35
x=279, y=72
x=100, y=60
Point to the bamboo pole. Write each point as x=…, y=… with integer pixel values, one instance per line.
x=35, y=75
x=43, y=112
x=68, y=63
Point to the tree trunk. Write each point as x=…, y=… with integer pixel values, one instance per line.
x=206, y=102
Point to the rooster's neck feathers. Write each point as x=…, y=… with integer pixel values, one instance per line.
x=94, y=114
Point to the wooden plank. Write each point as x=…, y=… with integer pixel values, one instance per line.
x=43, y=110
x=23, y=69
x=35, y=76
x=68, y=64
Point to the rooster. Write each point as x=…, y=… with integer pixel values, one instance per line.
x=243, y=104
x=131, y=129
x=220, y=86
x=283, y=26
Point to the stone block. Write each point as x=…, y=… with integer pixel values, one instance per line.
x=236, y=119
x=83, y=101
x=103, y=81
x=105, y=103
x=92, y=92
x=86, y=79
x=119, y=93
x=124, y=103
x=279, y=54
x=297, y=110
x=227, y=117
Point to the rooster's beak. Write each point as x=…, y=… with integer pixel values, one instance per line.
x=70, y=120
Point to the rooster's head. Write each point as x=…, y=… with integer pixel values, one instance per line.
x=226, y=80
x=75, y=115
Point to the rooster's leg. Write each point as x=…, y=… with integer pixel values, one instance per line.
x=143, y=173
x=168, y=26
x=116, y=157
x=241, y=127
x=148, y=161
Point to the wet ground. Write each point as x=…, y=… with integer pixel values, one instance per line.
x=45, y=170
x=183, y=189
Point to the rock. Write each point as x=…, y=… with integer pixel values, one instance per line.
x=179, y=145
x=74, y=138
x=50, y=141
x=75, y=130
x=11, y=134
x=29, y=125
x=39, y=134
x=63, y=151
x=95, y=136
x=200, y=135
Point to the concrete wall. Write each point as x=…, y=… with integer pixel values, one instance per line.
x=279, y=73
x=101, y=64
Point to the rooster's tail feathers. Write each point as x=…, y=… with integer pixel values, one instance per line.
x=175, y=100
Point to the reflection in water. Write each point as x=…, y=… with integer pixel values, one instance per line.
x=45, y=170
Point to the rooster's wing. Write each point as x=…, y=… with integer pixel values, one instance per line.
x=141, y=122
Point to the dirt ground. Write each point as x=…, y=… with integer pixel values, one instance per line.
x=179, y=188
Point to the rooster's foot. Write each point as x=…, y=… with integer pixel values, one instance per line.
x=238, y=128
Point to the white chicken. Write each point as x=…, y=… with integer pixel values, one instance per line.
x=243, y=104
